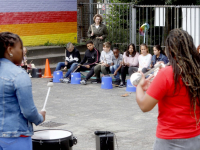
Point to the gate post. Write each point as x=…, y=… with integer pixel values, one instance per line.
x=133, y=34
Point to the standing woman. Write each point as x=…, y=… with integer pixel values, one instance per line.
x=129, y=63
x=97, y=32
x=17, y=109
x=176, y=89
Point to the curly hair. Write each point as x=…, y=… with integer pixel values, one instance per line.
x=184, y=60
x=8, y=39
x=97, y=15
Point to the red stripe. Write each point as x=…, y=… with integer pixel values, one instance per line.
x=23, y=136
x=37, y=17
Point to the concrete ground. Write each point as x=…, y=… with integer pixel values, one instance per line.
x=85, y=109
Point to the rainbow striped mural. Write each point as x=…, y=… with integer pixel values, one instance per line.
x=40, y=21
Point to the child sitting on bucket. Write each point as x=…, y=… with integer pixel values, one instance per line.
x=24, y=61
x=105, y=62
x=72, y=59
x=89, y=61
x=116, y=65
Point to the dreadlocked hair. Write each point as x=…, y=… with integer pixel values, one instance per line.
x=8, y=39
x=185, y=62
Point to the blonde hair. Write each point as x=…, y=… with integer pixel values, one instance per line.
x=144, y=46
x=107, y=44
x=97, y=15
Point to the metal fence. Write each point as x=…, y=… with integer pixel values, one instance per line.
x=123, y=21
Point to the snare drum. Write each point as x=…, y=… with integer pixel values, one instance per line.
x=53, y=139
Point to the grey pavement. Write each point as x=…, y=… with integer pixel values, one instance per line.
x=83, y=109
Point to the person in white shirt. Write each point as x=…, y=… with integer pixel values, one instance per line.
x=144, y=59
x=105, y=62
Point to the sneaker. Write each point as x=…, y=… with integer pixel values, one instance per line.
x=96, y=81
x=65, y=80
x=121, y=85
x=83, y=82
x=51, y=80
x=117, y=82
x=30, y=75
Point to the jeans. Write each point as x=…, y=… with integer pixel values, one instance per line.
x=74, y=65
x=83, y=68
x=60, y=65
x=19, y=143
x=112, y=70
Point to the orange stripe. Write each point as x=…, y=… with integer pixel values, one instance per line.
x=40, y=28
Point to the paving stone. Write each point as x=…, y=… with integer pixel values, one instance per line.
x=84, y=109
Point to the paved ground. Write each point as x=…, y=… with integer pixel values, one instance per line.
x=85, y=109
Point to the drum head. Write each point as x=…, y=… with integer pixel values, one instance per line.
x=50, y=134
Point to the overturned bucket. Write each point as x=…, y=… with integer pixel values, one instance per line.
x=75, y=78
x=36, y=72
x=130, y=87
x=57, y=75
x=106, y=82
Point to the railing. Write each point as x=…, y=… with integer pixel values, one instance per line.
x=123, y=21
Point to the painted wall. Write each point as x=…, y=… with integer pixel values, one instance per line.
x=39, y=21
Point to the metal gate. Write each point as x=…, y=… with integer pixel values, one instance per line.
x=123, y=21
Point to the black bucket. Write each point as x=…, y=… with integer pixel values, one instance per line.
x=36, y=73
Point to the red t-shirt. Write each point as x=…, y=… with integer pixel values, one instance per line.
x=175, y=119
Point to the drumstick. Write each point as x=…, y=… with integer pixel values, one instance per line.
x=50, y=84
x=150, y=71
x=92, y=29
x=75, y=69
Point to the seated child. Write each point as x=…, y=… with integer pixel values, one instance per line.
x=116, y=64
x=89, y=61
x=158, y=56
x=144, y=59
x=105, y=62
x=129, y=63
x=72, y=59
x=24, y=61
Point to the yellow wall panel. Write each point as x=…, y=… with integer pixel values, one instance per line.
x=52, y=38
x=40, y=28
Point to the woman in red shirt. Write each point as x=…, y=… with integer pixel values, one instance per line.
x=176, y=89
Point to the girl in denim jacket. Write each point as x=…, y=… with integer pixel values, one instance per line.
x=17, y=109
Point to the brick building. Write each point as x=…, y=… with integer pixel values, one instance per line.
x=39, y=22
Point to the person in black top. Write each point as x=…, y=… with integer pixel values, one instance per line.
x=72, y=58
x=89, y=61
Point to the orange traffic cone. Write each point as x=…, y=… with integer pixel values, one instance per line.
x=47, y=71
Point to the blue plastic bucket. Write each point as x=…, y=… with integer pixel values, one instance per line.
x=57, y=75
x=106, y=83
x=75, y=78
x=130, y=87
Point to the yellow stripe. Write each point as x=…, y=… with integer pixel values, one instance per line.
x=52, y=38
x=40, y=28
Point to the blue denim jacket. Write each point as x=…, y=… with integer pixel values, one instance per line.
x=17, y=109
x=160, y=58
